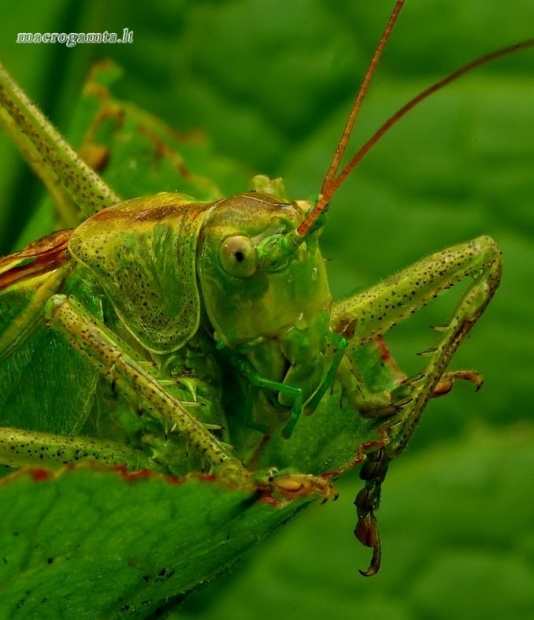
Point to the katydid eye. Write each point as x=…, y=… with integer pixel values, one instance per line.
x=238, y=256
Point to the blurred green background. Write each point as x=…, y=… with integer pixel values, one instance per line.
x=270, y=83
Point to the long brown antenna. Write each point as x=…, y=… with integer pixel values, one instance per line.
x=347, y=131
x=336, y=183
x=332, y=183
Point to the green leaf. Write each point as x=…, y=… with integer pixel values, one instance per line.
x=456, y=524
x=92, y=543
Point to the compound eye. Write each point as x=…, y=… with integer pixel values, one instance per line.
x=238, y=256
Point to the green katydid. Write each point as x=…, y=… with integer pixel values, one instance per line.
x=236, y=247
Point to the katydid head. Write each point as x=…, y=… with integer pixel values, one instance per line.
x=255, y=281
x=266, y=298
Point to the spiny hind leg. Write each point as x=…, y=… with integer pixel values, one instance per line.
x=435, y=380
x=367, y=316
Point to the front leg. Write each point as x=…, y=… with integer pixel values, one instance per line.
x=146, y=392
x=142, y=388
